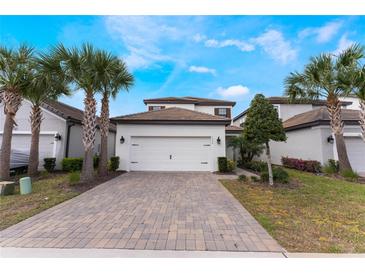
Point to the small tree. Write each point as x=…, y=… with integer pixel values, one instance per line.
x=247, y=148
x=262, y=125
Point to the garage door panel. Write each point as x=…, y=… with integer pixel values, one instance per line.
x=170, y=153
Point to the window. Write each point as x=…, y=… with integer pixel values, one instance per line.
x=222, y=112
x=156, y=107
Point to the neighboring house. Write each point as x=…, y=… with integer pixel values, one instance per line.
x=175, y=134
x=309, y=135
x=60, y=134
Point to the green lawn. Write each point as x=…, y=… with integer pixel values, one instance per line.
x=46, y=193
x=319, y=214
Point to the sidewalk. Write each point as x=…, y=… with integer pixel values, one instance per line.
x=13, y=252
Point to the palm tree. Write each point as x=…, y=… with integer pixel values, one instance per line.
x=324, y=77
x=114, y=77
x=355, y=79
x=248, y=149
x=81, y=66
x=15, y=76
x=48, y=84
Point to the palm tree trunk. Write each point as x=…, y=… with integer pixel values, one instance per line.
x=88, y=137
x=6, y=148
x=362, y=118
x=104, y=130
x=35, y=121
x=12, y=101
x=334, y=111
x=269, y=167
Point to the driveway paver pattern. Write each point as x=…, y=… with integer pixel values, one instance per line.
x=147, y=210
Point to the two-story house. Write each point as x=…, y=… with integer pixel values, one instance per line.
x=175, y=134
x=308, y=131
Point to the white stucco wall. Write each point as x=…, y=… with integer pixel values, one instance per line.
x=355, y=102
x=287, y=111
x=210, y=109
x=128, y=130
x=76, y=147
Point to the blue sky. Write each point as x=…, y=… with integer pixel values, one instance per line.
x=224, y=57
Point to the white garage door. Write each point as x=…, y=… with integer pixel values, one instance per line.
x=356, y=152
x=170, y=153
x=22, y=142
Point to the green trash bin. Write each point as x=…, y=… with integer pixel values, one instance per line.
x=25, y=185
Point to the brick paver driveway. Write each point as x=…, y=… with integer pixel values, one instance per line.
x=147, y=210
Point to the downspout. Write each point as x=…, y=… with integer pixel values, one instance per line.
x=69, y=125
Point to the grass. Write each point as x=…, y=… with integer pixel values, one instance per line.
x=45, y=194
x=320, y=214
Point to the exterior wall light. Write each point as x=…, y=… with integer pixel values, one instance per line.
x=330, y=139
x=218, y=140
x=57, y=137
x=121, y=140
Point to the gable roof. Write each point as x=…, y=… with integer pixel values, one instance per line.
x=233, y=129
x=189, y=100
x=68, y=112
x=319, y=116
x=285, y=100
x=173, y=115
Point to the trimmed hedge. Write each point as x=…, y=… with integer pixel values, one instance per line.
x=114, y=163
x=49, y=164
x=72, y=164
x=303, y=165
x=258, y=166
x=279, y=175
x=231, y=165
x=222, y=164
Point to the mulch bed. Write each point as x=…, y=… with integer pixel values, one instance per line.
x=97, y=181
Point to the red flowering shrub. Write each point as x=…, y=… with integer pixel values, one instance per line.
x=299, y=164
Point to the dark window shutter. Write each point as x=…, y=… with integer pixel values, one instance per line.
x=216, y=111
x=150, y=108
x=228, y=112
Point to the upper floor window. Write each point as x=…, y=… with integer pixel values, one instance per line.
x=155, y=107
x=225, y=112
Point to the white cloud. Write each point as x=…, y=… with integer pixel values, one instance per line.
x=199, y=69
x=343, y=44
x=199, y=37
x=241, y=45
x=142, y=37
x=275, y=45
x=233, y=91
x=323, y=34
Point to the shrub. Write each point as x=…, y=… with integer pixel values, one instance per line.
x=222, y=164
x=254, y=179
x=242, y=178
x=74, y=178
x=335, y=165
x=303, y=165
x=231, y=165
x=331, y=167
x=350, y=175
x=72, y=164
x=257, y=166
x=49, y=164
x=279, y=174
x=96, y=160
x=114, y=163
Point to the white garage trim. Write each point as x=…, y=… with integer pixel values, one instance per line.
x=16, y=132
